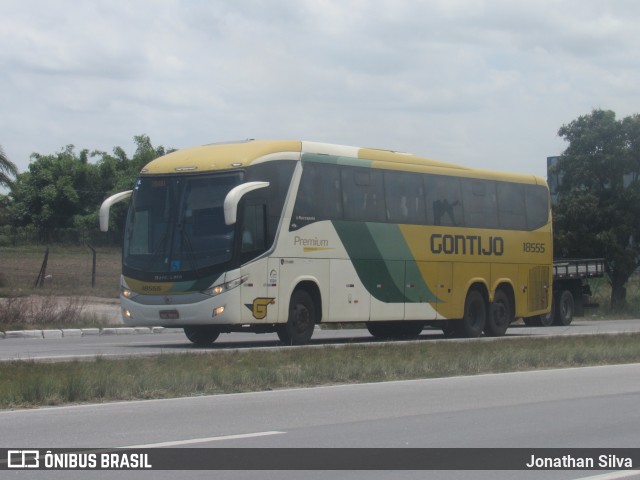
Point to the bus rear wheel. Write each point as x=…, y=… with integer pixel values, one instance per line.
x=301, y=322
x=500, y=315
x=202, y=335
x=475, y=315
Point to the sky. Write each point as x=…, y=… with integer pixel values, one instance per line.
x=485, y=84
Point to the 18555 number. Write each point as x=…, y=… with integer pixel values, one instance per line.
x=531, y=247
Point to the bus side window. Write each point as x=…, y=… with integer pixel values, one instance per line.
x=480, y=203
x=537, y=206
x=445, y=201
x=319, y=195
x=511, y=211
x=254, y=229
x=404, y=196
x=363, y=195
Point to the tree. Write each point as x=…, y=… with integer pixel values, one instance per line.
x=65, y=190
x=598, y=208
x=7, y=170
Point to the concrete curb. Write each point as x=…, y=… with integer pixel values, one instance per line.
x=52, y=334
x=84, y=332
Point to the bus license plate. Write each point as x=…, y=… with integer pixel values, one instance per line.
x=169, y=314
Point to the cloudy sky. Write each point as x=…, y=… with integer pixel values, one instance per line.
x=479, y=83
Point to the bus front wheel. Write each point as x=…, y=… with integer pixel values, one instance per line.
x=202, y=335
x=301, y=321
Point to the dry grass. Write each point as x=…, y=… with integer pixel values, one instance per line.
x=44, y=312
x=69, y=271
x=28, y=384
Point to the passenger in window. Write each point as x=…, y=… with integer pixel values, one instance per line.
x=441, y=209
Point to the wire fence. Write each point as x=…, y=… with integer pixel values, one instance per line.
x=60, y=269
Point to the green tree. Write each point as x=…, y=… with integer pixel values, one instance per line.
x=598, y=208
x=65, y=190
x=8, y=169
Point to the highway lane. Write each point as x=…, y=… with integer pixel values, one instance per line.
x=174, y=341
x=595, y=407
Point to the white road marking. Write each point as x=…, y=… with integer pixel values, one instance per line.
x=205, y=440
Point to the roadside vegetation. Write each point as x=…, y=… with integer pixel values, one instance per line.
x=33, y=384
x=47, y=312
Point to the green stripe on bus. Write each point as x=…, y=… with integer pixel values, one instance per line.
x=368, y=245
x=390, y=240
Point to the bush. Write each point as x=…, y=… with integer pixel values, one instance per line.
x=49, y=311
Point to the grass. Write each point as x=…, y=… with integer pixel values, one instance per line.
x=47, y=312
x=32, y=384
x=69, y=271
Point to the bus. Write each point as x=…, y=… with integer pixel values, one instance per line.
x=282, y=236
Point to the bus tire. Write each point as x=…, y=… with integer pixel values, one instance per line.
x=379, y=329
x=546, y=319
x=396, y=329
x=202, y=335
x=564, y=309
x=500, y=315
x=301, y=321
x=475, y=315
x=449, y=328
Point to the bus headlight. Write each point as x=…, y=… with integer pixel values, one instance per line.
x=225, y=287
x=125, y=291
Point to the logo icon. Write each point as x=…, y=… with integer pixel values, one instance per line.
x=259, y=307
x=23, y=459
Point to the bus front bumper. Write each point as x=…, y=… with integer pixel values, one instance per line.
x=181, y=310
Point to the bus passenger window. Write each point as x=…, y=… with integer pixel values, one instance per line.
x=537, y=206
x=511, y=210
x=363, y=194
x=404, y=197
x=319, y=196
x=445, y=201
x=480, y=203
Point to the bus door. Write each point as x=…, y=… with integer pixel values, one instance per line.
x=259, y=292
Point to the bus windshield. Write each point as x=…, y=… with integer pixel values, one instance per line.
x=176, y=223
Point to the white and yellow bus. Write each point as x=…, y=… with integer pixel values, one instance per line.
x=280, y=236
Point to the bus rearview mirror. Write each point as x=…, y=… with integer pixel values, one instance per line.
x=234, y=196
x=106, y=206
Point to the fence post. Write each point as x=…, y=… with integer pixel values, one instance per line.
x=93, y=268
x=43, y=270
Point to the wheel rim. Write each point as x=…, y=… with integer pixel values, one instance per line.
x=301, y=319
x=565, y=310
x=500, y=314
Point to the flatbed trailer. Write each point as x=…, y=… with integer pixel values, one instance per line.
x=571, y=290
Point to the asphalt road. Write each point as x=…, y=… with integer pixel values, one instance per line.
x=595, y=407
x=90, y=346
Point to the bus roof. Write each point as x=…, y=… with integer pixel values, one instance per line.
x=225, y=156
